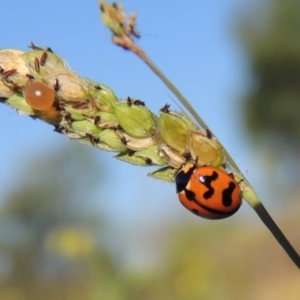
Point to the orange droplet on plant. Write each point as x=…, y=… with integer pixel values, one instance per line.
x=38, y=95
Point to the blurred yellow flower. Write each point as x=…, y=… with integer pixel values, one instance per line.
x=70, y=242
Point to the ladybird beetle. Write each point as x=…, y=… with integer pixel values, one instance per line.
x=207, y=191
x=38, y=95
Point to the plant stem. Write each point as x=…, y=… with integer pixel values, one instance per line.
x=277, y=233
x=263, y=214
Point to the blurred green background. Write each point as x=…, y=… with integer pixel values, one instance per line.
x=57, y=242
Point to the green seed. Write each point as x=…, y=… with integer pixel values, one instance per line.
x=152, y=156
x=103, y=96
x=135, y=120
x=174, y=127
x=205, y=149
x=112, y=140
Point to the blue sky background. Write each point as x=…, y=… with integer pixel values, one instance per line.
x=193, y=42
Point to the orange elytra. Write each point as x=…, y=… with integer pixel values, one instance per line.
x=207, y=191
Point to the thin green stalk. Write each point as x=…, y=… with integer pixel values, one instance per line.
x=175, y=91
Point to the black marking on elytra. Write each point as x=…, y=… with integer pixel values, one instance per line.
x=206, y=180
x=192, y=197
x=216, y=211
x=227, y=194
x=195, y=211
x=189, y=195
x=182, y=178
